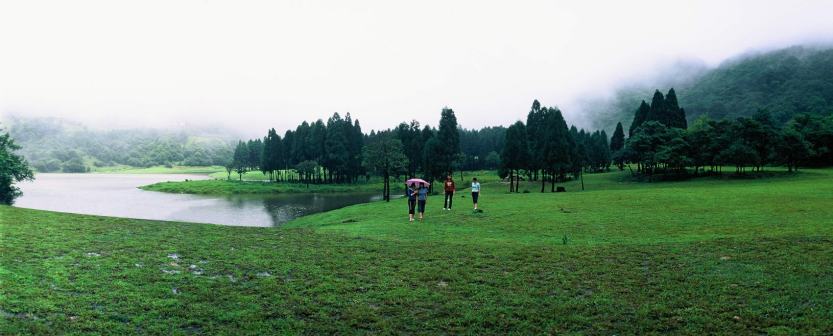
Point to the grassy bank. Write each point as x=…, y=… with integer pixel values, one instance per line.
x=158, y=170
x=255, y=183
x=249, y=176
x=703, y=256
x=224, y=187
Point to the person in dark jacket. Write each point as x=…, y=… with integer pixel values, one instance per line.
x=412, y=200
x=449, y=188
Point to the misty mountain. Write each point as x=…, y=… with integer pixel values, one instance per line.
x=786, y=82
x=51, y=145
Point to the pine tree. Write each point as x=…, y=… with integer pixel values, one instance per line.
x=315, y=144
x=676, y=115
x=617, y=143
x=265, y=155
x=449, y=140
x=658, y=111
x=241, y=159
x=336, y=156
x=578, y=154
x=301, y=150
x=412, y=142
x=603, y=148
x=433, y=168
x=639, y=117
x=356, y=147
x=255, y=150
x=557, y=144
x=288, y=150
x=272, y=154
x=515, y=153
x=534, y=120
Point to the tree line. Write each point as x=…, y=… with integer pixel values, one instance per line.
x=335, y=151
x=660, y=141
x=315, y=152
x=55, y=145
x=545, y=149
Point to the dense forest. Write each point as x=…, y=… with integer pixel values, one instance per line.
x=785, y=82
x=53, y=145
x=661, y=141
x=336, y=151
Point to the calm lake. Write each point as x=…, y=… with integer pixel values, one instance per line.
x=117, y=195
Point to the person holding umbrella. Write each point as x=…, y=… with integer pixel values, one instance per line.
x=421, y=195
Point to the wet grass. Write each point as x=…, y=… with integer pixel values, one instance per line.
x=703, y=256
x=612, y=209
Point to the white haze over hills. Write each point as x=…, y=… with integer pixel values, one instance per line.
x=248, y=66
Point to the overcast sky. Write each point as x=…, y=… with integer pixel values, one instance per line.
x=252, y=65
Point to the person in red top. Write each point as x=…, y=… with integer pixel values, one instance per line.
x=449, y=192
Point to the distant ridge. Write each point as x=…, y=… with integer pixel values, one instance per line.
x=786, y=82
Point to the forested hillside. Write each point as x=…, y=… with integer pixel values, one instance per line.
x=786, y=82
x=54, y=145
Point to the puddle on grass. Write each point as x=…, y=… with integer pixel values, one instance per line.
x=196, y=270
x=22, y=316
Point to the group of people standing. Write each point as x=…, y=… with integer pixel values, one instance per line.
x=418, y=196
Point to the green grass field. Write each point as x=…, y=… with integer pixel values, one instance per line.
x=707, y=256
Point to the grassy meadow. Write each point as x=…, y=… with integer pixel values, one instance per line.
x=720, y=256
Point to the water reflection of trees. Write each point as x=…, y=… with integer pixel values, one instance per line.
x=284, y=208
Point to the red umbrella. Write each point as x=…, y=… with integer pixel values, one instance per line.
x=416, y=180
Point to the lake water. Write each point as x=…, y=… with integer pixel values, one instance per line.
x=117, y=195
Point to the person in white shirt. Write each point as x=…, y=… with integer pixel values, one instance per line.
x=475, y=191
